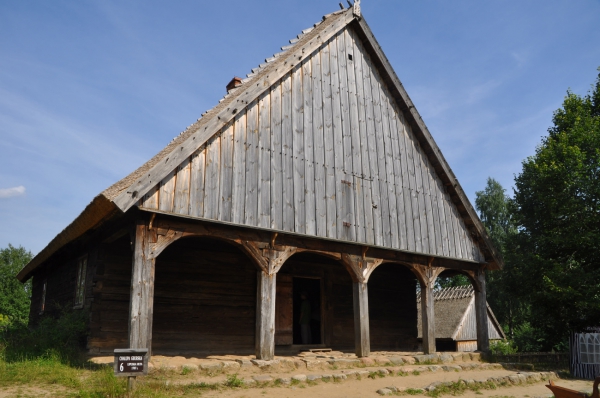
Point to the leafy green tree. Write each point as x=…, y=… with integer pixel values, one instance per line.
x=557, y=211
x=15, y=297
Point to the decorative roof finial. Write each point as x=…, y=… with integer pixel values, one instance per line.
x=356, y=10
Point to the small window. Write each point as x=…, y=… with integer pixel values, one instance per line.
x=80, y=282
x=589, y=348
x=43, y=302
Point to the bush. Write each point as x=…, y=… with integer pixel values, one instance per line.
x=60, y=337
x=502, y=347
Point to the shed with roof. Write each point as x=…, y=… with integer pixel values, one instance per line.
x=313, y=174
x=455, y=321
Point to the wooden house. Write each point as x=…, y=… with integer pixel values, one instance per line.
x=455, y=321
x=314, y=174
x=584, y=354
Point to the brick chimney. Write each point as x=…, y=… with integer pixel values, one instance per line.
x=233, y=84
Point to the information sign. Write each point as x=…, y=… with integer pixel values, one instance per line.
x=131, y=362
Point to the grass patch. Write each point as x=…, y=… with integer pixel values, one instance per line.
x=413, y=391
x=401, y=373
x=234, y=381
x=374, y=375
x=459, y=387
x=416, y=372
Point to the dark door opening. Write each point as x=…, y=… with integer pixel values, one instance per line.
x=311, y=290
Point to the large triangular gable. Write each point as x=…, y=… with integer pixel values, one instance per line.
x=323, y=141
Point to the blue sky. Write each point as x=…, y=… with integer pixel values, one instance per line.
x=89, y=90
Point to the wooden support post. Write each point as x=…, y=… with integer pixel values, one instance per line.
x=362, y=341
x=265, y=316
x=141, y=302
x=428, y=318
x=483, y=339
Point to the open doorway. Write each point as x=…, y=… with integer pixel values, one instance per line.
x=307, y=309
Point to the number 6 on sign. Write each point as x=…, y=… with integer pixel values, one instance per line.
x=121, y=368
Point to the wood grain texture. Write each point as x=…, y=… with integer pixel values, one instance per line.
x=252, y=165
x=265, y=316
x=287, y=154
x=320, y=198
x=309, y=156
x=264, y=161
x=277, y=160
x=362, y=340
x=299, y=150
x=239, y=169
x=226, y=176
x=212, y=178
x=330, y=160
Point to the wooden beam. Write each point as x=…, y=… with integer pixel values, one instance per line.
x=141, y=303
x=265, y=316
x=428, y=318
x=362, y=342
x=483, y=340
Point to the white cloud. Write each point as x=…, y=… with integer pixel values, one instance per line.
x=10, y=192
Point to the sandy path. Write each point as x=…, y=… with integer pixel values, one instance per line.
x=368, y=387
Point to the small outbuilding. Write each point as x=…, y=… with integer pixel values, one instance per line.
x=455, y=322
x=584, y=349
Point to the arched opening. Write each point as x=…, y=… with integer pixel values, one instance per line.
x=393, y=308
x=204, y=299
x=324, y=287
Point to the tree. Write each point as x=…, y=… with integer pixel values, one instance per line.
x=15, y=296
x=557, y=211
x=503, y=290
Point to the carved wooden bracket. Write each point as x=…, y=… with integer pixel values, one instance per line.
x=427, y=274
x=161, y=238
x=269, y=259
x=360, y=267
x=476, y=277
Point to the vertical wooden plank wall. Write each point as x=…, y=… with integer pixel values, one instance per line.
x=326, y=152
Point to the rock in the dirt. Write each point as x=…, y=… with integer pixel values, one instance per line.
x=384, y=391
x=339, y=377
x=231, y=366
x=262, y=378
x=284, y=380
x=313, y=377
x=299, y=377
x=244, y=363
x=326, y=377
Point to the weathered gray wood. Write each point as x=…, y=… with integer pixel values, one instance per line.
x=404, y=183
x=380, y=184
x=265, y=316
x=443, y=217
x=287, y=153
x=396, y=178
x=276, y=159
x=388, y=158
x=329, y=142
x=421, y=196
x=226, y=177
x=356, y=172
x=151, y=198
x=142, y=291
x=367, y=164
x=483, y=341
x=449, y=225
x=299, y=209
x=252, y=165
x=182, y=188
x=429, y=209
x=212, y=178
x=410, y=163
x=197, y=183
x=308, y=135
x=167, y=192
x=362, y=341
x=264, y=161
x=428, y=318
x=238, y=192
x=319, y=144
x=219, y=118
x=347, y=227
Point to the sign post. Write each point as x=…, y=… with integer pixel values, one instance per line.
x=131, y=362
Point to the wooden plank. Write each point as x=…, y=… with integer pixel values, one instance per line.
x=421, y=196
x=412, y=187
x=309, y=162
x=252, y=165
x=212, y=179
x=287, y=153
x=299, y=209
x=362, y=342
x=390, y=142
x=167, y=192
x=429, y=208
x=265, y=316
x=452, y=249
x=366, y=176
x=329, y=141
x=150, y=200
x=443, y=217
x=224, y=114
x=284, y=310
x=182, y=188
x=437, y=219
x=397, y=157
x=319, y=144
x=264, y=161
x=404, y=183
x=197, y=183
x=347, y=222
x=276, y=159
x=356, y=172
x=226, y=183
x=380, y=183
x=238, y=189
